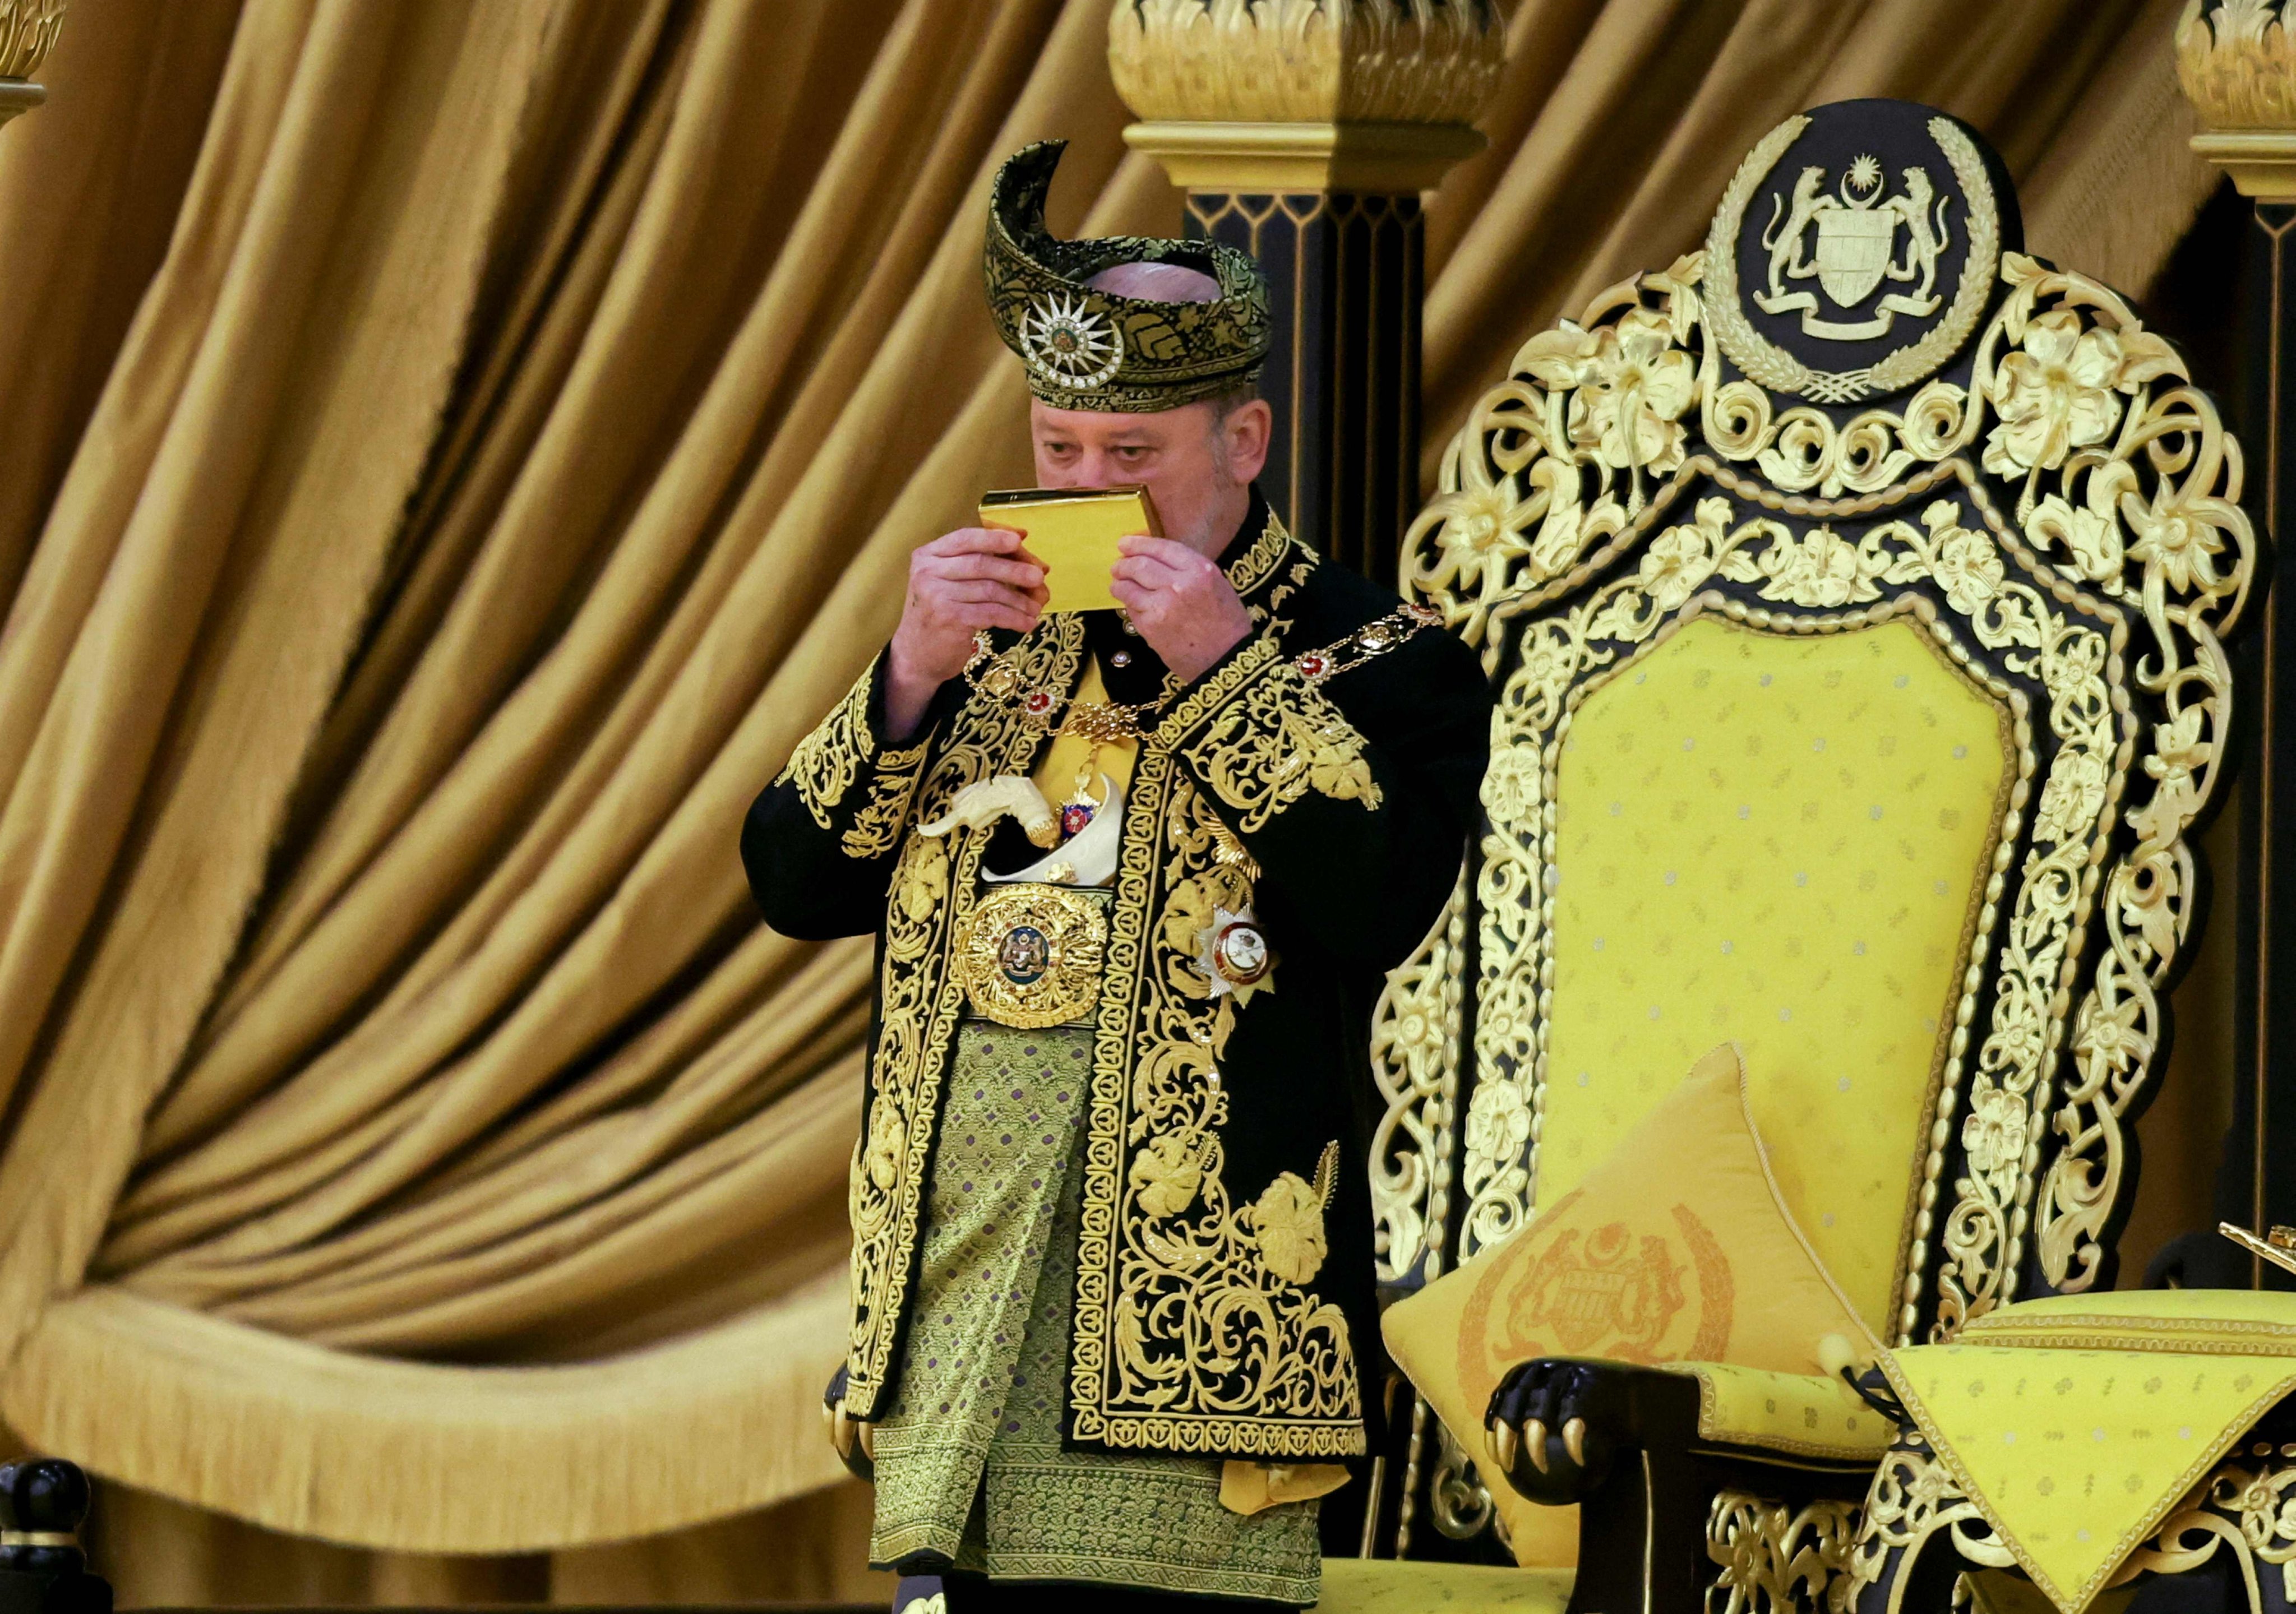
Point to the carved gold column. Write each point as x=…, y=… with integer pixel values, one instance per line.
x=2237, y=61
x=28, y=28
x=1303, y=131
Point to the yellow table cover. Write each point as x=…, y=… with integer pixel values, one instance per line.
x=2075, y=1456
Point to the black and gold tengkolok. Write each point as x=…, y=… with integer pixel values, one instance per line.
x=1089, y=350
x=1223, y=1275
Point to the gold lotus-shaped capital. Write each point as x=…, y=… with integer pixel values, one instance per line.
x=1397, y=62
x=28, y=31
x=2236, y=60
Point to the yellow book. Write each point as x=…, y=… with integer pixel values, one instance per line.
x=1074, y=531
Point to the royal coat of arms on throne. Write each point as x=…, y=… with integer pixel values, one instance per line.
x=1856, y=288
x=1857, y=230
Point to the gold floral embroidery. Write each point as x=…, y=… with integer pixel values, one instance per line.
x=827, y=761
x=921, y=882
x=1166, y=1174
x=1276, y=740
x=1288, y=1221
x=1193, y=1331
x=876, y=829
x=881, y=1146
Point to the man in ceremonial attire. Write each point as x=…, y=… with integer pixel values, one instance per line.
x=1136, y=876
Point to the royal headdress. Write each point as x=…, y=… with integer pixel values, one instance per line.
x=1089, y=350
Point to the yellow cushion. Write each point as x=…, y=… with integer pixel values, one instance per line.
x=1382, y=1585
x=1782, y=839
x=2192, y=1322
x=1676, y=1251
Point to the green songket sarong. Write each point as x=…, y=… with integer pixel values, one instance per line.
x=969, y=1459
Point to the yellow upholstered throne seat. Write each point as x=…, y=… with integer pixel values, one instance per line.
x=1860, y=682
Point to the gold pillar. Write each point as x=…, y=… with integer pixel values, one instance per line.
x=28, y=28
x=2236, y=60
x=1303, y=131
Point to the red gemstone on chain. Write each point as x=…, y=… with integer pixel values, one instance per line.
x=1312, y=666
x=1039, y=702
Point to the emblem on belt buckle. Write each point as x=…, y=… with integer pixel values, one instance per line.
x=1031, y=955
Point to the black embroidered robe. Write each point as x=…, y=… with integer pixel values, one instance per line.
x=1224, y=1296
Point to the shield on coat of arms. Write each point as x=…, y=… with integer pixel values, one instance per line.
x=1853, y=250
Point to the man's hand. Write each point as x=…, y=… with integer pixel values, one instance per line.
x=963, y=581
x=1182, y=603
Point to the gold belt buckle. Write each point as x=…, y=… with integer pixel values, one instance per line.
x=1031, y=955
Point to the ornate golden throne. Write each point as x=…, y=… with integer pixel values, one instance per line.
x=1854, y=591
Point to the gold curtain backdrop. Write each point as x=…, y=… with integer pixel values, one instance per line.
x=449, y=455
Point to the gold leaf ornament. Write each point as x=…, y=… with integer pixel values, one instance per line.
x=2090, y=538
x=27, y=32
x=1293, y=61
x=2237, y=64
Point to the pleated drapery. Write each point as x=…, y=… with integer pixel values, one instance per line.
x=449, y=455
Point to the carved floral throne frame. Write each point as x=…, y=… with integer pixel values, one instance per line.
x=2045, y=493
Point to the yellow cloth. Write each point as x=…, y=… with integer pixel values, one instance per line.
x=2075, y=1456
x=1781, y=838
x=1676, y=1251
x=1248, y=1486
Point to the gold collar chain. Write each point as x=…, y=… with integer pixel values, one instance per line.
x=1107, y=723
x=1101, y=722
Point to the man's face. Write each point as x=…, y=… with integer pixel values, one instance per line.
x=1196, y=469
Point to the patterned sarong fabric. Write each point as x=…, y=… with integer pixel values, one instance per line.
x=970, y=1465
